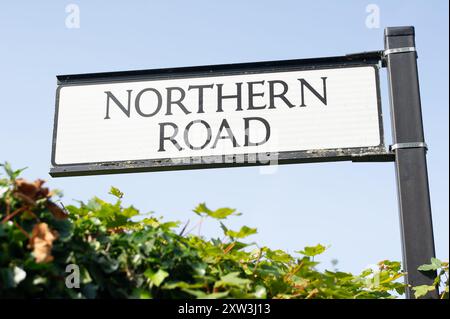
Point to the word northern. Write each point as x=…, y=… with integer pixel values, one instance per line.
x=151, y=102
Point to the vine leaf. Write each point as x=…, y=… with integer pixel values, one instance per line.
x=313, y=250
x=420, y=291
x=116, y=192
x=435, y=265
x=221, y=213
x=156, y=277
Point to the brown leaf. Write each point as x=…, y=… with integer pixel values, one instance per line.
x=58, y=212
x=41, y=242
x=30, y=192
x=43, y=191
x=25, y=188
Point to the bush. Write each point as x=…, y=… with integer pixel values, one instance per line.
x=46, y=247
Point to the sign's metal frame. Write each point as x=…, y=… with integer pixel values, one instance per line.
x=376, y=153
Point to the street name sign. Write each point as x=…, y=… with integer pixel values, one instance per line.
x=216, y=116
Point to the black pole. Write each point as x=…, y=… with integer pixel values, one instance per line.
x=410, y=156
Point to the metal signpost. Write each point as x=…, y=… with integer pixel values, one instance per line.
x=410, y=155
x=264, y=113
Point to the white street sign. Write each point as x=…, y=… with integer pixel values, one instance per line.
x=195, y=116
x=280, y=111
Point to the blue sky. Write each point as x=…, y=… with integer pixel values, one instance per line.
x=352, y=207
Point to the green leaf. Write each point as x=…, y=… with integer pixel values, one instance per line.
x=220, y=213
x=13, y=174
x=232, y=279
x=129, y=212
x=435, y=265
x=168, y=225
x=156, y=277
x=313, y=250
x=153, y=222
x=391, y=265
x=8, y=169
x=115, y=192
x=243, y=232
x=427, y=267
x=201, y=209
x=3, y=182
x=94, y=204
x=422, y=290
x=278, y=255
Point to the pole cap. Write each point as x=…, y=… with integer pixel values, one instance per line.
x=399, y=31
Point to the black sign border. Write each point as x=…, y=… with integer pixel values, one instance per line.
x=358, y=154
